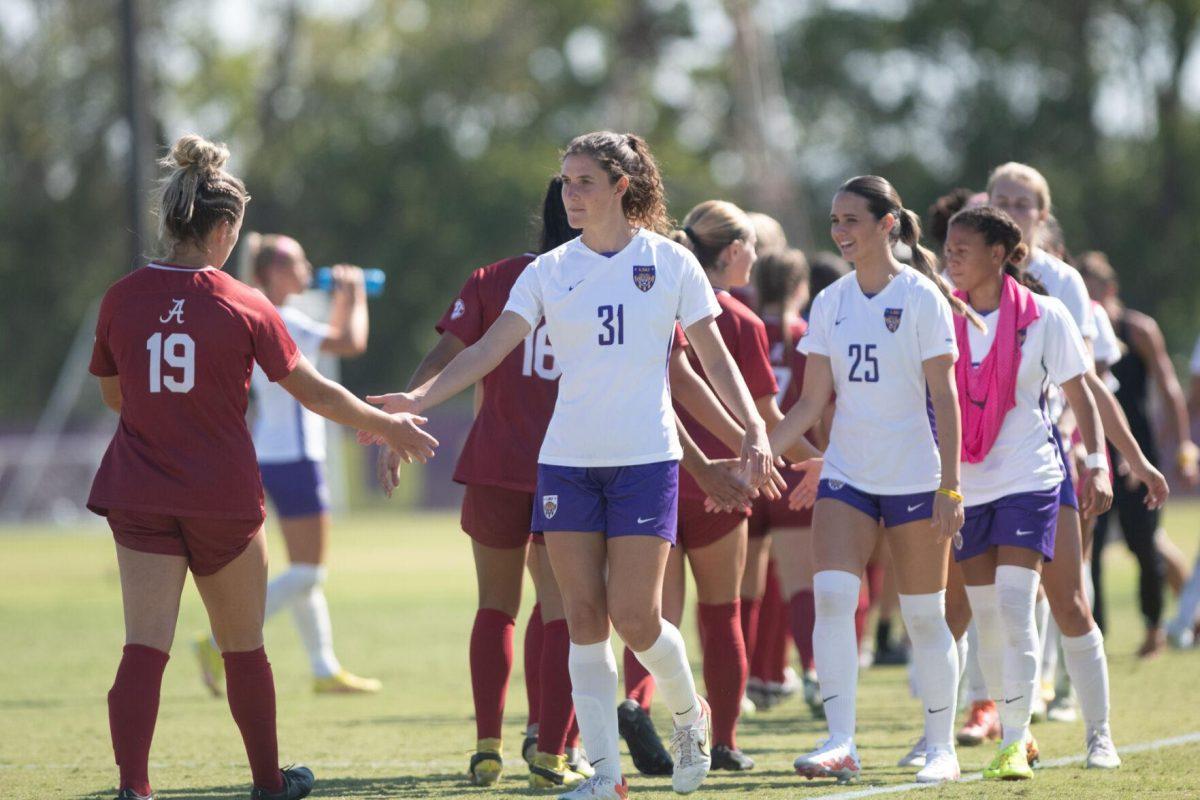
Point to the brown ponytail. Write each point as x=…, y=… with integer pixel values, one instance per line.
x=628, y=155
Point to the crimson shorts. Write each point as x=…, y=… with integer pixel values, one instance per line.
x=207, y=543
x=773, y=515
x=698, y=527
x=497, y=517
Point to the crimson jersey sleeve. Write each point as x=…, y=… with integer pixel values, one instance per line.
x=681, y=339
x=465, y=316
x=754, y=358
x=103, y=364
x=274, y=349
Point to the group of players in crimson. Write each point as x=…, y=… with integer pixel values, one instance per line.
x=958, y=433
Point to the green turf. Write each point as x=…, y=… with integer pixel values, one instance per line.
x=402, y=595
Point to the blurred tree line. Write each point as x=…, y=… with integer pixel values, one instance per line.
x=417, y=135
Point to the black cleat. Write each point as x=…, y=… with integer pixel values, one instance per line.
x=130, y=794
x=297, y=783
x=730, y=758
x=646, y=749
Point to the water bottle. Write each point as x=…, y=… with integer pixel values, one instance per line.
x=373, y=280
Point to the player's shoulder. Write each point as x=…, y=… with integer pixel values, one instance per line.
x=736, y=310
x=835, y=290
x=505, y=267
x=1053, y=310
x=667, y=252
x=1049, y=268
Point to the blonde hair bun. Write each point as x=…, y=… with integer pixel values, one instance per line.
x=194, y=152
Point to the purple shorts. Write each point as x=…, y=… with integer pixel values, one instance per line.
x=890, y=509
x=1017, y=520
x=1066, y=489
x=640, y=500
x=297, y=488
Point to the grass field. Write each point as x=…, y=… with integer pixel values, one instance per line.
x=402, y=595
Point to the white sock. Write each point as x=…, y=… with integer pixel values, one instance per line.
x=977, y=687
x=1089, y=586
x=834, y=649
x=965, y=651
x=310, y=610
x=936, y=657
x=594, y=690
x=985, y=619
x=295, y=580
x=666, y=660
x=1042, y=616
x=1085, y=661
x=1189, y=601
x=1048, y=672
x=1016, y=591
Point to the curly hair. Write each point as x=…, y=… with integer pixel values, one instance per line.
x=627, y=155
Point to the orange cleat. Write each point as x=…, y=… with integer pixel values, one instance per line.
x=983, y=724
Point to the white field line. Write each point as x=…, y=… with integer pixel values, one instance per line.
x=1141, y=747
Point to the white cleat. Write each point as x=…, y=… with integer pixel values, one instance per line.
x=1062, y=708
x=830, y=760
x=915, y=757
x=1102, y=753
x=598, y=787
x=749, y=709
x=941, y=765
x=691, y=749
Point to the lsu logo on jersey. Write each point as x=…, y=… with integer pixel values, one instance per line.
x=549, y=505
x=891, y=318
x=643, y=277
x=176, y=313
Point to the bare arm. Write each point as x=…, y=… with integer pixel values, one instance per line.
x=110, y=392
x=698, y=400
x=1098, y=488
x=1150, y=347
x=1116, y=428
x=348, y=318
x=943, y=395
x=446, y=349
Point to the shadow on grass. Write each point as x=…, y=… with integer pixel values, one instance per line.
x=436, y=785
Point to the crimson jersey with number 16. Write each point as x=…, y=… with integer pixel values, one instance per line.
x=518, y=395
x=183, y=342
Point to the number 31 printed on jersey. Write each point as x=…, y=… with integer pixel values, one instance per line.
x=179, y=351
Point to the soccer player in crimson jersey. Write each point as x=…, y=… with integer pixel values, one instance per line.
x=175, y=345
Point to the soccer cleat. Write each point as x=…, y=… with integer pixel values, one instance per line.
x=760, y=695
x=830, y=760
x=690, y=748
x=548, y=771
x=346, y=683
x=1010, y=764
x=749, y=709
x=812, y=695
x=577, y=760
x=1180, y=638
x=941, y=765
x=297, y=783
x=1032, y=753
x=486, y=765
x=731, y=759
x=1062, y=708
x=915, y=756
x=983, y=723
x=1037, y=709
x=645, y=748
x=130, y=794
x=791, y=683
x=529, y=746
x=598, y=787
x=212, y=665
x=1101, y=752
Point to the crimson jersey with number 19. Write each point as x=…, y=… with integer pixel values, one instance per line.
x=518, y=395
x=183, y=342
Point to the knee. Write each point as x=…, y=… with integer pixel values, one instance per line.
x=1071, y=611
x=835, y=593
x=638, y=628
x=307, y=576
x=924, y=616
x=587, y=620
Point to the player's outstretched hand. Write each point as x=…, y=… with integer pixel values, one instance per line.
x=1157, y=489
x=948, y=515
x=387, y=469
x=776, y=485
x=805, y=495
x=406, y=436
x=724, y=484
x=756, y=455
x=1097, y=493
x=395, y=403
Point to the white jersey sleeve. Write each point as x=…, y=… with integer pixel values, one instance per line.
x=935, y=327
x=525, y=298
x=1105, y=346
x=816, y=340
x=1064, y=353
x=696, y=297
x=285, y=431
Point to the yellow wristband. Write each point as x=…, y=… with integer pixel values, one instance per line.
x=953, y=495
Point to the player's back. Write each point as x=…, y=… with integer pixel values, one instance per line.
x=183, y=342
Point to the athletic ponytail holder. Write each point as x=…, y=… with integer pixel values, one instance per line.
x=691, y=235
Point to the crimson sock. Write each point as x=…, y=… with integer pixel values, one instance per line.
x=132, y=712
x=557, y=708
x=860, y=615
x=533, y=664
x=768, y=615
x=491, y=666
x=639, y=685
x=749, y=612
x=781, y=635
x=724, y=667
x=804, y=616
x=251, y=690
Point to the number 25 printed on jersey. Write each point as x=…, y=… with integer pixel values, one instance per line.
x=865, y=366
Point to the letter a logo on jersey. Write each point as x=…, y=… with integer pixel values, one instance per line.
x=891, y=318
x=175, y=313
x=643, y=277
x=549, y=505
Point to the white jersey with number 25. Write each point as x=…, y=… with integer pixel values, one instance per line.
x=882, y=439
x=612, y=321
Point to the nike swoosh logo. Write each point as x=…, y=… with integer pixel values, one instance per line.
x=827, y=699
x=839, y=321
x=914, y=508
x=1015, y=699
x=1024, y=533
x=937, y=710
x=644, y=521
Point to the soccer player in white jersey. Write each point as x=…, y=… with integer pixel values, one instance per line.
x=290, y=443
x=1012, y=469
x=883, y=339
x=1023, y=193
x=608, y=468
